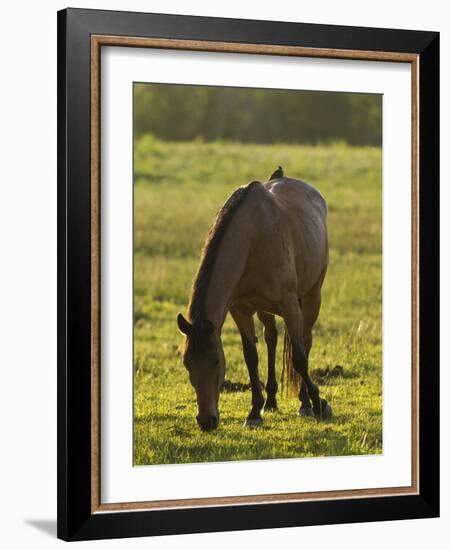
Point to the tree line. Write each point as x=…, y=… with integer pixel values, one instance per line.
x=185, y=113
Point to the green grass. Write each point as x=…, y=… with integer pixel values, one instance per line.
x=178, y=189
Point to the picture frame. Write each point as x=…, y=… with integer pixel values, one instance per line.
x=81, y=35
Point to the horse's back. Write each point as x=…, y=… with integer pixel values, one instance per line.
x=295, y=195
x=304, y=220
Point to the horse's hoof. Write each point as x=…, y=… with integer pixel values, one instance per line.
x=306, y=411
x=270, y=406
x=326, y=410
x=253, y=423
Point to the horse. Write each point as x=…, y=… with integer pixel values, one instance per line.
x=267, y=254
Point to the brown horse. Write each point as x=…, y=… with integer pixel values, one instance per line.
x=267, y=253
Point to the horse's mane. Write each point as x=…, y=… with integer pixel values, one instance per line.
x=196, y=308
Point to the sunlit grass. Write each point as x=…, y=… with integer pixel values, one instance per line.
x=178, y=189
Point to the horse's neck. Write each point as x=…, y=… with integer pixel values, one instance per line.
x=228, y=268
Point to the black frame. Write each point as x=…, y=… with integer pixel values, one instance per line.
x=75, y=520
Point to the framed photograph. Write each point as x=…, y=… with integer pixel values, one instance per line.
x=248, y=274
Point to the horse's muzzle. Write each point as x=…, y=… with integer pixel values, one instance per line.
x=208, y=423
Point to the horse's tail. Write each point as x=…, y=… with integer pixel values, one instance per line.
x=291, y=381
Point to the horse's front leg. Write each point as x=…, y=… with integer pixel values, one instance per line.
x=245, y=324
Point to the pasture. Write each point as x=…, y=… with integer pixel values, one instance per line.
x=178, y=189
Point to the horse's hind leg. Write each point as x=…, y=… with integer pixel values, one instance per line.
x=306, y=404
x=308, y=310
x=310, y=305
x=270, y=334
x=245, y=324
x=294, y=321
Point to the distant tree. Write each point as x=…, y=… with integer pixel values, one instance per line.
x=182, y=113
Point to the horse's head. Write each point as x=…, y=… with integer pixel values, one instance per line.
x=204, y=360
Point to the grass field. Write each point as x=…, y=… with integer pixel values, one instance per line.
x=178, y=189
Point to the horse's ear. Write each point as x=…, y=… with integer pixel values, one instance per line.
x=184, y=325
